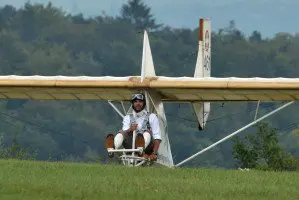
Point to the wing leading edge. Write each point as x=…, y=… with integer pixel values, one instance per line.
x=181, y=89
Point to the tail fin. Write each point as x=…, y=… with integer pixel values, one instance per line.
x=147, y=68
x=203, y=69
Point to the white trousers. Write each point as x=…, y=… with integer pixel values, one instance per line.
x=119, y=139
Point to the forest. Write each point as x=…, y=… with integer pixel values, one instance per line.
x=45, y=40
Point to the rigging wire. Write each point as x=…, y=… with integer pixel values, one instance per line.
x=40, y=126
x=221, y=117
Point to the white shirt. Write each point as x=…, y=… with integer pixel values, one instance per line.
x=153, y=121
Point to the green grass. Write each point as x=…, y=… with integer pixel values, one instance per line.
x=44, y=180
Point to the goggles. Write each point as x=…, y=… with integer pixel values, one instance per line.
x=137, y=96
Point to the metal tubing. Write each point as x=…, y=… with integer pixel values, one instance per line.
x=116, y=109
x=124, y=150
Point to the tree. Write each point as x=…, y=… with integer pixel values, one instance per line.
x=262, y=150
x=255, y=37
x=6, y=14
x=137, y=13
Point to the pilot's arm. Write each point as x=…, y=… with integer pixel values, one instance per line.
x=154, y=123
x=126, y=123
x=127, y=127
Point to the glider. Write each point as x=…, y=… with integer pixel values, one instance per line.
x=199, y=91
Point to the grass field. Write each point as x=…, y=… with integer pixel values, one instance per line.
x=30, y=180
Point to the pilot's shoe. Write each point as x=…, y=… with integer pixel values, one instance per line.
x=109, y=144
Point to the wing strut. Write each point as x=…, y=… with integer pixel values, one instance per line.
x=234, y=133
x=257, y=109
x=116, y=109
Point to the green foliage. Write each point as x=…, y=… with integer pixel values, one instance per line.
x=247, y=156
x=263, y=151
x=16, y=151
x=139, y=14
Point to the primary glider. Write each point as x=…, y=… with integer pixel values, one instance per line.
x=199, y=91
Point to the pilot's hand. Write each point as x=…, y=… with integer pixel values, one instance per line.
x=151, y=157
x=133, y=126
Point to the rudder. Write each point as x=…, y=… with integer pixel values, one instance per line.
x=203, y=69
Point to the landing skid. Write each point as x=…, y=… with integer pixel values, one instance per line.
x=134, y=161
x=131, y=159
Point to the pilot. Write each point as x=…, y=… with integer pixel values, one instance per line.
x=147, y=128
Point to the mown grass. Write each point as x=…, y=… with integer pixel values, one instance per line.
x=48, y=180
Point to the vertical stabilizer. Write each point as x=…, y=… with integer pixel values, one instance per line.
x=147, y=67
x=203, y=69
